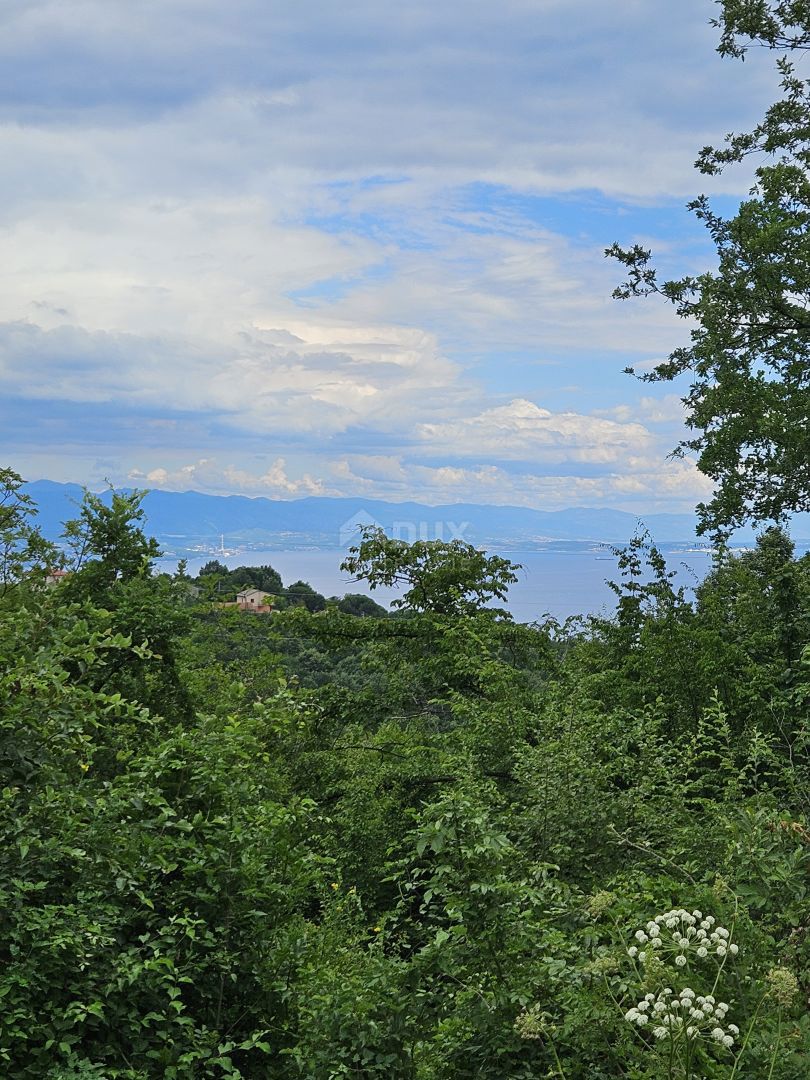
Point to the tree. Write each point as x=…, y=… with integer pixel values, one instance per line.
x=108, y=542
x=781, y=25
x=301, y=594
x=358, y=604
x=22, y=547
x=213, y=566
x=749, y=357
x=445, y=578
x=112, y=569
x=258, y=577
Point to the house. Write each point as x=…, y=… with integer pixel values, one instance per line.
x=254, y=600
x=53, y=577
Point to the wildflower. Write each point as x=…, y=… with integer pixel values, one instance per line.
x=733, y=949
x=727, y=1041
x=674, y=1015
x=680, y=960
x=702, y=951
x=720, y=887
x=654, y=972
x=641, y=936
x=632, y=952
x=530, y=1023
x=601, y=965
x=600, y=902
x=783, y=986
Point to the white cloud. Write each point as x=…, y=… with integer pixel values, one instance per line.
x=523, y=431
x=207, y=475
x=667, y=409
x=266, y=218
x=327, y=381
x=637, y=485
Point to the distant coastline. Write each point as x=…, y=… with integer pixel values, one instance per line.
x=190, y=524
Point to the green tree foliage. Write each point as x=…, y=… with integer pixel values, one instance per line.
x=146, y=867
x=213, y=566
x=257, y=577
x=108, y=544
x=422, y=856
x=446, y=578
x=23, y=551
x=111, y=567
x=363, y=606
x=301, y=594
x=749, y=355
x=784, y=24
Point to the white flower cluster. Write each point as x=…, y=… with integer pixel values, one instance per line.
x=686, y=1014
x=682, y=931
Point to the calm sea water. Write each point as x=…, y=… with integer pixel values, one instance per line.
x=551, y=582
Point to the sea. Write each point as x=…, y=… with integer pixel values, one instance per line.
x=551, y=583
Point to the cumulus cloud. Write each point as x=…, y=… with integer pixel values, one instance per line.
x=206, y=475
x=636, y=485
x=326, y=381
x=523, y=431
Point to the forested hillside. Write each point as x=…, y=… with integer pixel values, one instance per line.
x=435, y=845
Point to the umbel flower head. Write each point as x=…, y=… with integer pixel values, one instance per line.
x=531, y=1023
x=600, y=902
x=687, y=934
x=783, y=986
x=685, y=1015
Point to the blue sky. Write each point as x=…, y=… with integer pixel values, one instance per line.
x=317, y=248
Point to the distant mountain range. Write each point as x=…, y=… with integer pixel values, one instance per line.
x=189, y=522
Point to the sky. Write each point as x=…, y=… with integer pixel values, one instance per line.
x=320, y=248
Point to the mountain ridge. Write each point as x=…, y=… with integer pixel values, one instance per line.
x=326, y=521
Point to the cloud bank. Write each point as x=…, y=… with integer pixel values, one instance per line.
x=294, y=249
